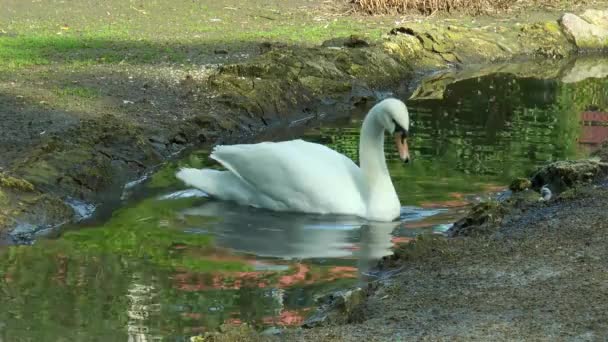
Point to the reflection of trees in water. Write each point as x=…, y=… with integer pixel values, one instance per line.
x=496, y=125
x=47, y=296
x=62, y=289
x=143, y=306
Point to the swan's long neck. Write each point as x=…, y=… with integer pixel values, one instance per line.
x=381, y=192
x=371, y=148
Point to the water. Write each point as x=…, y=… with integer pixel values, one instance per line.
x=172, y=263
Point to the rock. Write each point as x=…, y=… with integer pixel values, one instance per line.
x=485, y=218
x=520, y=184
x=563, y=175
x=337, y=308
x=596, y=17
x=482, y=218
x=590, y=34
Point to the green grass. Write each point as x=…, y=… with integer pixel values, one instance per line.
x=74, y=91
x=26, y=51
x=159, y=32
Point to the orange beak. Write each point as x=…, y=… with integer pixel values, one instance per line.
x=404, y=151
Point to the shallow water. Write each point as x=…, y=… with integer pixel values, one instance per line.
x=172, y=263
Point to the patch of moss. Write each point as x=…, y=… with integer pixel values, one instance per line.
x=15, y=183
x=3, y=198
x=520, y=184
x=482, y=219
x=424, y=246
x=552, y=26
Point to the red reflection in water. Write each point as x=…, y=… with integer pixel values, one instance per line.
x=340, y=269
x=401, y=239
x=233, y=321
x=299, y=276
x=304, y=275
x=595, y=128
x=286, y=317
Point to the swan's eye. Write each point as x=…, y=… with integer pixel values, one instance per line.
x=399, y=129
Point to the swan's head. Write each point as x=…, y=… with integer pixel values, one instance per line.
x=396, y=120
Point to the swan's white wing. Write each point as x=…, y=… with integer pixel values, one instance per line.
x=298, y=175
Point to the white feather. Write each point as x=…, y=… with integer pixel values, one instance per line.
x=307, y=177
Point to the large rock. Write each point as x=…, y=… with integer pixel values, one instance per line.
x=563, y=175
x=589, y=32
x=483, y=218
x=596, y=17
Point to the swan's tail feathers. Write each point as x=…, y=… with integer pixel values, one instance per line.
x=227, y=154
x=219, y=184
x=200, y=179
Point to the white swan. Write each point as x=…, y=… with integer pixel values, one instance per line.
x=305, y=177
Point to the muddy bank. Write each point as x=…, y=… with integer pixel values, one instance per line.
x=144, y=118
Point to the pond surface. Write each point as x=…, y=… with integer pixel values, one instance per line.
x=172, y=263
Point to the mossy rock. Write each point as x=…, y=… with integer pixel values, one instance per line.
x=546, y=39
x=563, y=175
x=21, y=203
x=520, y=184
x=482, y=219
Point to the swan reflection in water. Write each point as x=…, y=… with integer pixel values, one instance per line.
x=283, y=235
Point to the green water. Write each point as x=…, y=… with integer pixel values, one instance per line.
x=172, y=268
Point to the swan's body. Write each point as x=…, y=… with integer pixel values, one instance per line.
x=307, y=177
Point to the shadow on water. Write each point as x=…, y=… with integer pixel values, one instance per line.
x=173, y=267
